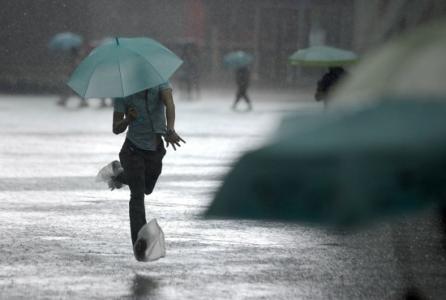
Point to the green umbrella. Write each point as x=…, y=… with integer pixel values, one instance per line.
x=343, y=169
x=413, y=64
x=122, y=68
x=237, y=59
x=322, y=56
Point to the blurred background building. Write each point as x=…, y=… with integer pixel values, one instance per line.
x=270, y=29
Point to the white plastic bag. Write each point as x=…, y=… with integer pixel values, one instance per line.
x=154, y=237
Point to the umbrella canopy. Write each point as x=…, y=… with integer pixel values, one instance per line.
x=343, y=169
x=413, y=64
x=322, y=56
x=238, y=59
x=122, y=68
x=65, y=41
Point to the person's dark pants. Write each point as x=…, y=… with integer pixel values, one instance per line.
x=141, y=171
x=242, y=93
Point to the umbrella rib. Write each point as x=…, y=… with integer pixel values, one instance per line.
x=131, y=50
x=91, y=75
x=120, y=75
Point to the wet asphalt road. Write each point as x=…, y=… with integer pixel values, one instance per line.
x=64, y=236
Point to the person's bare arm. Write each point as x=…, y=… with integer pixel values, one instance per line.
x=171, y=137
x=120, y=122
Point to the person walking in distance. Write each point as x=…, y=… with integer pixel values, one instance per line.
x=148, y=116
x=75, y=56
x=190, y=71
x=242, y=79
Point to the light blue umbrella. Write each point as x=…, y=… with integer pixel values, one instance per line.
x=122, y=68
x=322, y=56
x=340, y=170
x=65, y=41
x=238, y=59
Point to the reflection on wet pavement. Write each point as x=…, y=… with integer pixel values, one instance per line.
x=144, y=287
x=65, y=236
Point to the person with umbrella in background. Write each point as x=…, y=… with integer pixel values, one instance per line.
x=242, y=78
x=65, y=94
x=190, y=73
x=240, y=61
x=324, y=56
x=135, y=72
x=71, y=44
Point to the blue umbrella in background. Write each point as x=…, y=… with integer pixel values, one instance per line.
x=238, y=59
x=124, y=67
x=65, y=41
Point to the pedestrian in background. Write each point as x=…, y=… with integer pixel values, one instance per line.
x=242, y=79
x=75, y=57
x=190, y=71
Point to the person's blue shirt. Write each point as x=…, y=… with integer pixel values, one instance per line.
x=151, y=121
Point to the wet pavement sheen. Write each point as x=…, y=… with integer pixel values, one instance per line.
x=64, y=236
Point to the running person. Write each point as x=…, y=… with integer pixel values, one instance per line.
x=148, y=115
